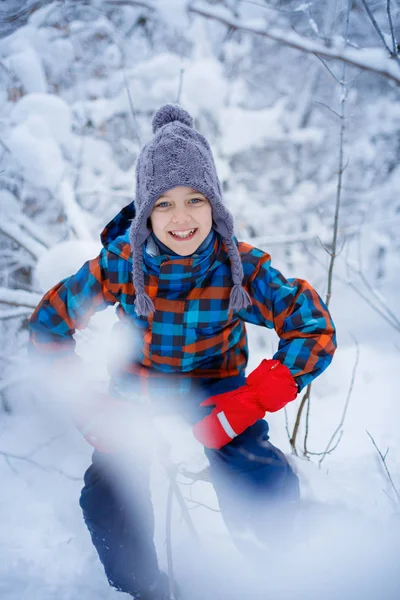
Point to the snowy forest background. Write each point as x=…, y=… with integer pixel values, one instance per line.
x=300, y=102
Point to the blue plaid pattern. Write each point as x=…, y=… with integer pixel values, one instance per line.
x=192, y=333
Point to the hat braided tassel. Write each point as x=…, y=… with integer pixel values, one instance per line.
x=239, y=297
x=143, y=303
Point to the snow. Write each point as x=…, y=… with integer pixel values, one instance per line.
x=175, y=12
x=63, y=155
x=63, y=259
x=52, y=109
x=28, y=67
x=242, y=128
x=33, y=145
x=199, y=79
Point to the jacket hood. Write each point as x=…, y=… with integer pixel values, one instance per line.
x=118, y=226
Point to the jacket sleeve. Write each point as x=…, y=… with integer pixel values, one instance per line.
x=68, y=306
x=298, y=315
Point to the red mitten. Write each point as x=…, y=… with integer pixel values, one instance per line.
x=268, y=388
x=273, y=384
x=233, y=413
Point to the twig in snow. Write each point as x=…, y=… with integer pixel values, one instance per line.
x=8, y=456
x=383, y=459
x=200, y=504
x=168, y=539
x=287, y=423
x=298, y=419
x=203, y=475
x=325, y=452
x=346, y=405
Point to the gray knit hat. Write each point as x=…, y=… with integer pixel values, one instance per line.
x=179, y=155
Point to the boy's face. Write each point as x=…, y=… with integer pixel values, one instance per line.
x=182, y=219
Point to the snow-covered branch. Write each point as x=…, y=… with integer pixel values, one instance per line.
x=34, y=229
x=74, y=213
x=15, y=232
x=370, y=59
x=19, y=298
x=14, y=313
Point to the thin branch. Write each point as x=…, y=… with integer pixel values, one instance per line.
x=325, y=452
x=328, y=69
x=377, y=296
x=346, y=405
x=383, y=459
x=305, y=452
x=298, y=419
x=8, y=456
x=391, y=27
x=373, y=306
x=198, y=504
x=378, y=29
x=329, y=108
x=287, y=422
x=203, y=475
x=168, y=538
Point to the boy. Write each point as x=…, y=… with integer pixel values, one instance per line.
x=185, y=287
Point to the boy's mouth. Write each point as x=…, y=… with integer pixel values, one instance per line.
x=186, y=234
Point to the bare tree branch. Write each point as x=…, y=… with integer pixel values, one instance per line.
x=383, y=459
x=198, y=504
x=379, y=30
x=346, y=405
x=391, y=27
x=8, y=456
x=329, y=108
x=15, y=233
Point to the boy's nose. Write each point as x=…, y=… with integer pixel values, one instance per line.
x=180, y=217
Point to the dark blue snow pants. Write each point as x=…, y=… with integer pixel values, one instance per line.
x=256, y=488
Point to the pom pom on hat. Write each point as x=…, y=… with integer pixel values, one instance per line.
x=170, y=113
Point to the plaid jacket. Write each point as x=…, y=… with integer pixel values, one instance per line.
x=192, y=333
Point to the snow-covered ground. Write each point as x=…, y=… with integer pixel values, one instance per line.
x=347, y=539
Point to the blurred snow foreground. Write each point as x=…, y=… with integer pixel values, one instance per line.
x=333, y=549
x=339, y=546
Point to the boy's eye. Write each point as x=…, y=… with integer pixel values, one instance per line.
x=196, y=200
x=161, y=204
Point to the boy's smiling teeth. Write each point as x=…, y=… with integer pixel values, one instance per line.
x=183, y=234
